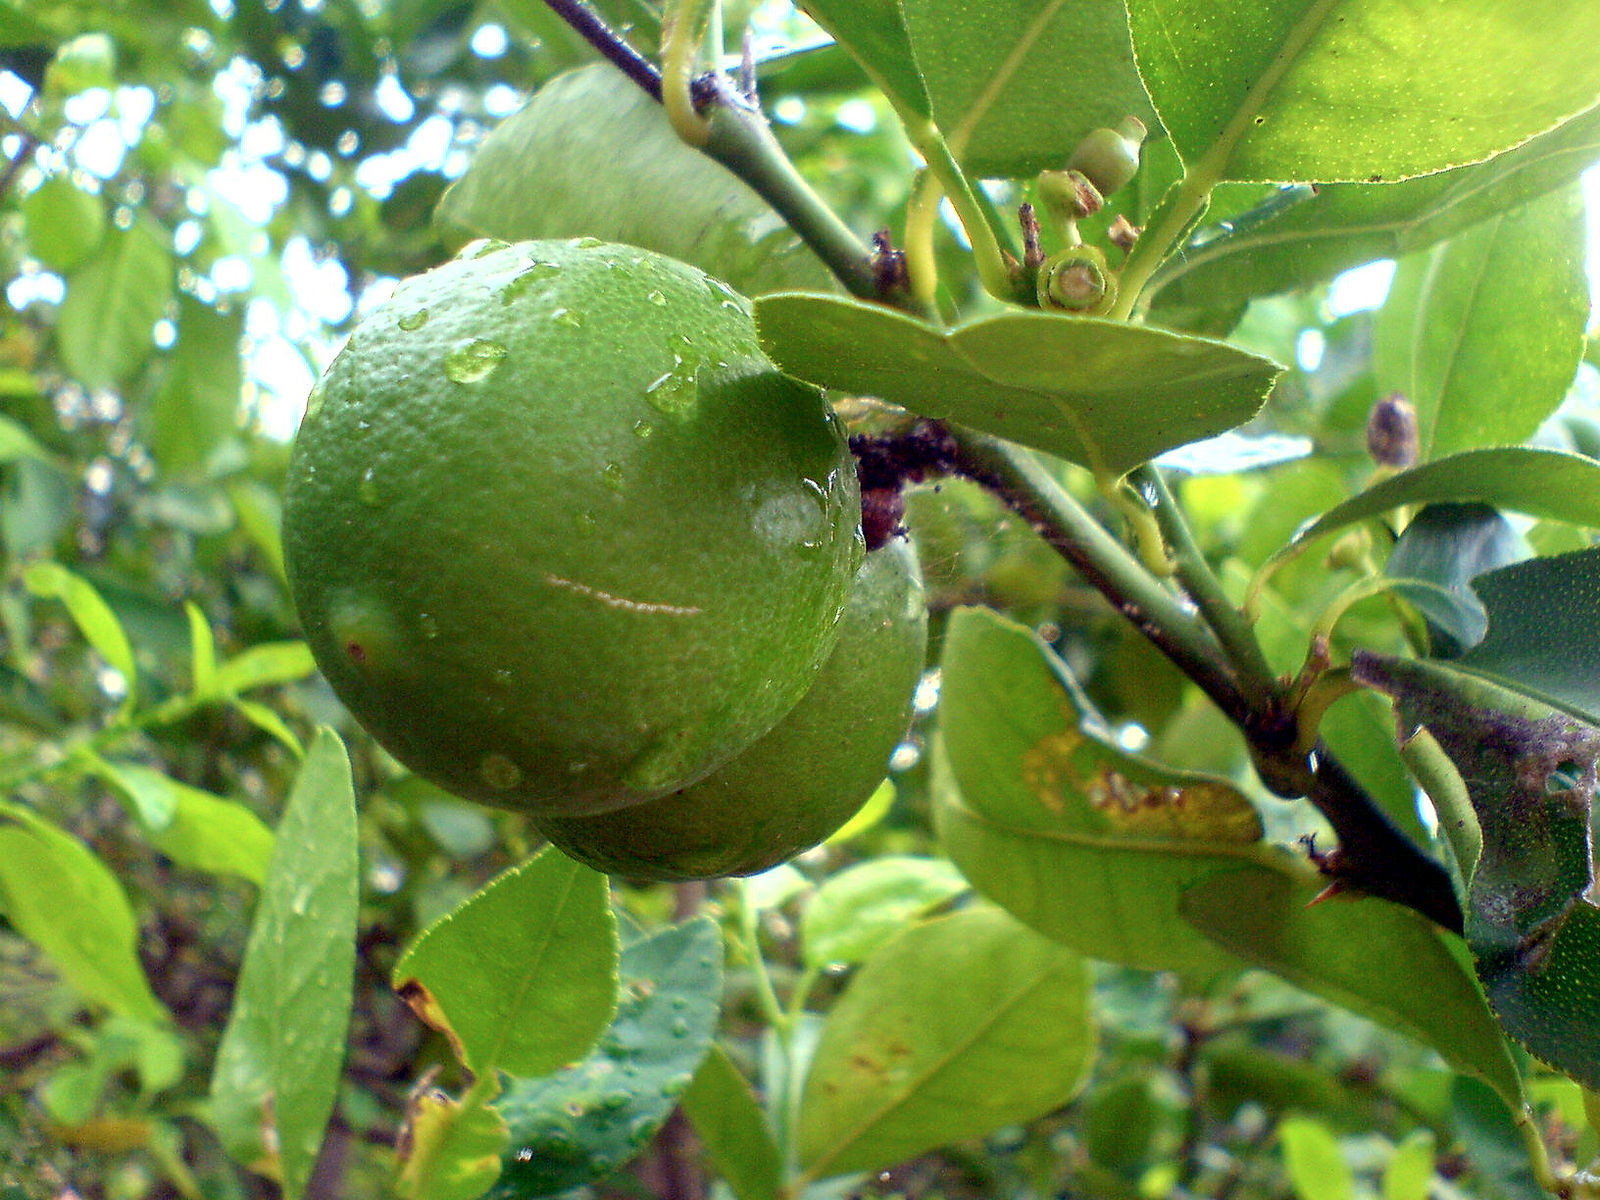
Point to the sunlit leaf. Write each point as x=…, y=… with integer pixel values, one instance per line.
x=874, y=34
x=864, y=906
x=1050, y=71
x=1443, y=340
x=56, y=893
x=1326, y=90
x=193, y=827
x=522, y=977
x=197, y=408
x=1316, y=1166
x=92, y=615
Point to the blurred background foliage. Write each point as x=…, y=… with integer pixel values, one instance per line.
x=197, y=199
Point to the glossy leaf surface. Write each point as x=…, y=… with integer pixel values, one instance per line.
x=1101, y=393
x=1544, y=630
x=586, y=1120
x=1347, y=224
x=1051, y=71
x=1551, y=484
x=1326, y=90
x=522, y=977
x=1443, y=339
x=957, y=1027
x=277, y=1069
x=591, y=155
x=1447, y=546
x=192, y=826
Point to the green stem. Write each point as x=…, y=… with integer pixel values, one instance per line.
x=1224, y=617
x=741, y=140
x=1174, y=217
x=1029, y=489
x=993, y=272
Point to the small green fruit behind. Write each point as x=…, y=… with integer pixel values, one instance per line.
x=560, y=536
x=803, y=780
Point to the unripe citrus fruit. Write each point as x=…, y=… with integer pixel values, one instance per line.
x=799, y=783
x=560, y=536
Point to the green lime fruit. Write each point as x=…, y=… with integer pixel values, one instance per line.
x=799, y=783
x=560, y=536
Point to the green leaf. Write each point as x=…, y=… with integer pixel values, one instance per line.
x=1102, y=393
x=1269, y=920
x=874, y=34
x=1049, y=72
x=277, y=1070
x=56, y=893
x=1443, y=340
x=1347, y=224
x=522, y=977
x=193, y=827
x=1316, y=1166
x=106, y=328
x=1086, y=843
x=202, y=651
x=263, y=665
x=453, y=1152
x=1544, y=631
x=592, y=155
x=1447, y=546
x=734, y=1130
x=1530, y=773
x=91, y=614
x=1408, y=1175
x=1318, y=91
x=64, y=223
x=16, y=442
x=1551, y=484
x=864, y=906
x=585, y=1121
x=957, y=1027
x=197, y=408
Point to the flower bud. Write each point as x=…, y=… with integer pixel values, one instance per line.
x=1392, y=436
x=1109, y=157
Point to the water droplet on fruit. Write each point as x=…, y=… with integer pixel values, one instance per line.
x=367, y=489
x=587, y=243
x=611, y=476
x=499, y=772
x=485, y=247
x=723, y=292
x=680, y=1028
x=643, y=429
x=413, y=321
x=659, y=299
x=429, y=625
x=567, y=316
x=678, y=390
x=473, y=360
x=585, y=523
x=526, y=278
